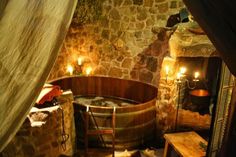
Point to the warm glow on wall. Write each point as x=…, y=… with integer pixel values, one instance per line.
x=168, y=70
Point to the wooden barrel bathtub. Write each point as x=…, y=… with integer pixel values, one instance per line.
x=135, y=124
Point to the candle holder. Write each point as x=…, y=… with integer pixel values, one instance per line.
x=180, y=82
x=78, y=69
x=81, y=67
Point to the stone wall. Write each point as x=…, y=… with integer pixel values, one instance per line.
x=116, y=44
x=129, y=41
x=41, y=133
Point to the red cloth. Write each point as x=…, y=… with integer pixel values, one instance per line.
x=48, y=93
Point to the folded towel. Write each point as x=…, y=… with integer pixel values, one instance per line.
x=48, y=93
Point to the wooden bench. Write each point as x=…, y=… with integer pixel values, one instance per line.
x=186, y=144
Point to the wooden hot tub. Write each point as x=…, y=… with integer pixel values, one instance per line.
x=135, y=124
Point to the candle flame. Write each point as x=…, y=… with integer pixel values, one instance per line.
x=179, y=75
x=70, y=69
x=183, y=70
x=88, y=71
x=196, y=75
x=80, y=60
x=167, y=70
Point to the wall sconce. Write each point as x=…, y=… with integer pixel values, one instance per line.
x=181, y=80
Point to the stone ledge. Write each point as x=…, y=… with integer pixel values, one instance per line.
x=185, y=43
x=44, y=138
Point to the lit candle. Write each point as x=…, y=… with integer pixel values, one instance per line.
x=70, y=69
x=183, y=70
x=167, y=70
x=80, y=60
x=196, y=75
x=179, y=75
x=88, y=70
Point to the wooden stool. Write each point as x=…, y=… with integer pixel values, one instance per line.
x=98, y=131
x=186, y=144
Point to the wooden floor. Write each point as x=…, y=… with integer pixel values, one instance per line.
x=125, y=153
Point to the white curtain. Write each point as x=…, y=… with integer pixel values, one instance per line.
x=31, y=33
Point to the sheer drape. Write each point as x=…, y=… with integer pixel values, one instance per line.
x=217, y=18
x=31, y=33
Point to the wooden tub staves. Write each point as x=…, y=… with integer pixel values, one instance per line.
x=135, y=124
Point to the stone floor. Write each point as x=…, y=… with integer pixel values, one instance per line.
x=125, y=153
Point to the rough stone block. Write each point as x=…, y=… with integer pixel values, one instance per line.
x=145, y=76
x=119, y=44
x=115, y=72
x=104, y=22
x=163, y=7
x=173, y=4
x=138, y=34
x=140, y=25
x=101, y=70
x=149, y=22
x=152, y=64
x=106, y=34
x=115, y=25
x=114, y=14
x=184, y=42
x=127, y=63
x=118, y=2
x=142, y=14
x=127, y=2
x=148, y=3
x=134, y=74
x=137, y=2
x=28, y=150
x=120, y=58
x=115, y=63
